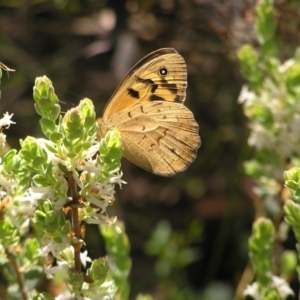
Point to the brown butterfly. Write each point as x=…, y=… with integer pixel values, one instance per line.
x=158, y=132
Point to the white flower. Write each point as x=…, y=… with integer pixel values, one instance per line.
x=26, y=208
x=252, y=291
x=245, y=94
x=282, y=287
x=67, y=295
x=287, y=64
x=51, y=246
x=84, y=258
x=61, y=269
x=41, y=192
x=5, y=121
x=118, y=229
x=260, y=137
x=98, y=219
x=279, y=283
x=117, y=179
x=92, y=150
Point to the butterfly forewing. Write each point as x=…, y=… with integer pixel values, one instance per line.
x=160, y=76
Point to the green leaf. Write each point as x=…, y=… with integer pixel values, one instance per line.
x=75, y=134
x=54, y=137
x=99, y=270
x=288, y=263
x=45, y=104
x=9, y=234
x=292, y=78
x=250, y=63
x=10, y=159
x=75, y=280
x=39, y=217
x=55, y=112
x=38, y=161
x=292, y=181
x=38, y=110
x=40, y=180
x=265, y=21
x=261, y=245
x=47, y=126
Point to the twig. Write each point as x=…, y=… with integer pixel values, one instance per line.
x=6, y=68
x=20, y=278
x=75, y=221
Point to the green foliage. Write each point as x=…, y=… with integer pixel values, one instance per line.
x=9, y=234
x=271, y=103
x=288, y=263
x=119, y=262
x=174, y=252
x=292, y=217
x=266, y=26
x=46, y=104
x=172, y=248
x=0, y=81
x=249, y=60
x=292, y=181
x=58, y=184
x=261, y=246
x=110, y=152
x=267, y=284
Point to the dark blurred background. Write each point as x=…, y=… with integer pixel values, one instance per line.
x=86, y=47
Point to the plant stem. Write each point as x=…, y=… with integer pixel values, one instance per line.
x=20, y=279
x=75, y=221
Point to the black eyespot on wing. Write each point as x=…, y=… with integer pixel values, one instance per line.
x=163, y=71
x=156, y=98
x=133, y=93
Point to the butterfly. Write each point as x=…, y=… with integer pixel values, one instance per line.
x=159, y=133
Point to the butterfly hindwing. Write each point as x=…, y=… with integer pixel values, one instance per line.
x=165, y=136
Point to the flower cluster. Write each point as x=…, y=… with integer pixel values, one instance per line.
x=59, y=183
x=4, y=123
x=274, y=112
x=271, y=103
